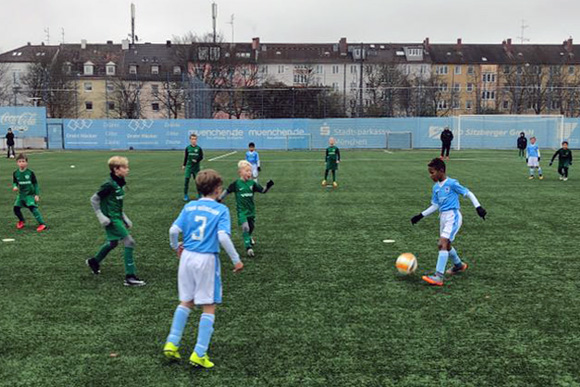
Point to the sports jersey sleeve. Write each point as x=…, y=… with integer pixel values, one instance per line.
x=225, y=222
x=434, y=200
x=180, y=221
x=231, y=188
x=258, y=188
x=185, y=158
x=248, y=156
x=556, y=154
x=200, y=155
x=337, y=154
x=258, y=159
x=326, y=156
x=105, y=190
x=34, y=183
x=458, y=188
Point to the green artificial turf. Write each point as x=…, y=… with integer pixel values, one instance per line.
x=321, y=304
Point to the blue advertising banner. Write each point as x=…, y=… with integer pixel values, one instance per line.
x=477, y=132
x=25, y=122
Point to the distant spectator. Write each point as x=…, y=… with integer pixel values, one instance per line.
x=10, y=143
x=522, y=144
x=446, y=138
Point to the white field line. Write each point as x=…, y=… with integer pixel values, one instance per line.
x=222, y=156
x=389, y=152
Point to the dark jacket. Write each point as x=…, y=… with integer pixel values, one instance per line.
x=522, y=142
x=446, y=137
x=10, y=138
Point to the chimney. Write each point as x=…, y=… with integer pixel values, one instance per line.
x=342, y=47
x=459, y=44
x=125, y=44
x=569, y=45
x=83, y=44
x=426, y=44
x=168, y=43
x=507, y=45
x=109, y=42
x=255, y=44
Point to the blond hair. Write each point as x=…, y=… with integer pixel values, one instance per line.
x=244, y=164
x=207, y=181
x=118, y=161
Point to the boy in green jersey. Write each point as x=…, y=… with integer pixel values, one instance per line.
x=25, y=183
x=244, y=188
x=332, y=161
x=191, y=163
x=564, y=160
x=108, y=206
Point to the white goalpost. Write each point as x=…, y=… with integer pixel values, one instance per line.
x=499, y=131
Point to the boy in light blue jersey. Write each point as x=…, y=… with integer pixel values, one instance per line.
x=253, y=158
x=205, y=225
x=445, y=198
x=533, y=158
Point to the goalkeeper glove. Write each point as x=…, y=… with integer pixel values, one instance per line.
x=259, y=169
x=269, y=184
x=539, y=159
x=526, y=159
x=549, y=165
x=415, y=219
x=481, y=212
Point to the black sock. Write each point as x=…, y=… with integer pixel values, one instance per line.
x=18, y=214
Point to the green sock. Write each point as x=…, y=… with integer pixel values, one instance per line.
x=129, y=263
x=104, y=250
x=186, y=186
x=247, y=239
x=37, y=215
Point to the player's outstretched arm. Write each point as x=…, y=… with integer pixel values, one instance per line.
x=554, y=156
x=480, y=210
x=432, y=208
x=269, y=185
x=96, y=203
x=228, y=246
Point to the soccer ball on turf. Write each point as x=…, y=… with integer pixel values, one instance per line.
x=406, y=263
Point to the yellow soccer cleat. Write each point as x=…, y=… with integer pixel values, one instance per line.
x=531, y=178
x=203, y=361
x=334, y=184
x=324, y=183
x=541, y=177
x=171, y=351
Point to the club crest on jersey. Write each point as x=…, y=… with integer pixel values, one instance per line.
x=447, y=189
x=27, y=176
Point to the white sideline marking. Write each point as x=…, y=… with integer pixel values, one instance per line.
x=388, y=241
x=8, y=240
x=389, y=152
x=219, y=157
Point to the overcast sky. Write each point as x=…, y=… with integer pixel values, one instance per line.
x=443, y=21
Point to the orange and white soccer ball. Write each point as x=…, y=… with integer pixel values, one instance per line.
x=406, y=263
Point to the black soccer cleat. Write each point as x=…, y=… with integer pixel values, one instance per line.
x=132, y=280
x=94, y=265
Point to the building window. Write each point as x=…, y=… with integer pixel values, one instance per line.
x=457, y=87
x=442, y=104
x=335, y=86
x=506, y=69
x=133, y=69
x=281, y=69
x=470, y=70
x=570, y=70
x=442, y=70
x=457, y=70
x=469, y=87
x=423, y=69
x=214, y=53
x=67, y=68
x=111, y=105
x=88, y=105
x=488, y=77
x=353, y=69
x=555, y=105
x=88, y=69
x=519, y=70
x=155, y=106
x=406, y=69
x=110, y=87
x=442, y=87
x=155, y=90
x=455, y=104
x=88, y=87
x=264, y=69
x=488, y=95
x=468, y=105
x=506, y=105
x=110, y=69
x=176, y=70
x=319, y=69
x=335, y=69
x=155, y=69
x=203, y=53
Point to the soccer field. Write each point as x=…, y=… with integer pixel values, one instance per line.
x=321, y=304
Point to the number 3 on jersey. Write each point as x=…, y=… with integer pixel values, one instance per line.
x=199, y=234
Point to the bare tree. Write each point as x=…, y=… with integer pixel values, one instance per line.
x=5, y=90
x=126, y=98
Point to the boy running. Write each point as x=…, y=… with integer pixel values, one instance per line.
x=253, y=158
x=191, y=163
x=24, y=182
x=205, y=224
x=564, y=160
x=108, y=206
x=445, y=198
x=332, y=161
x=244, y=188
